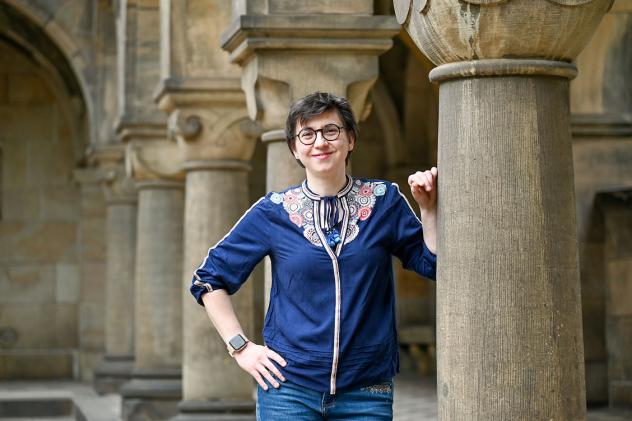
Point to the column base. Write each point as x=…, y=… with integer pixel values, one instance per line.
x=620, y=394
x=215, y=411
x=112, y=373
x=151, y=395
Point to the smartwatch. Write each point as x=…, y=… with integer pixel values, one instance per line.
x=236, y=344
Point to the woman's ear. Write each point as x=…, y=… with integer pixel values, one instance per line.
x=351, y=140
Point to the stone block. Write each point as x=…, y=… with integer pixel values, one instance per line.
x=27, y=407
x=619, y=344
x=92, y=327
x=619, y=224
x=51, y=163
x=92, y=201
x=592, y=270
x=620, y=287
x=93, y=283
x=10, y=232
x=594, y=319
x=21, y=203
x=596, y=382
x=14, y=162
x=67, y=285
x=3, y=88
x=36, y=364
x=88, y=361
x=47, y=241
x=60, y=203
x=93, y=245
x=42, y=326
x=358, y=7
x=28, y=122
x=29, y=88
x=620, y=394
x=27, y=284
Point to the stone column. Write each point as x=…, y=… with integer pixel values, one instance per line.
x=154, y=163
x=207, y=116
x=509, y=336
x=321, y=46
x=156, y=385
x=601, y=100
x=120, y=198
x=616, y=208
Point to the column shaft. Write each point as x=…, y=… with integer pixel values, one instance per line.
x=158, y=267
x=509, y=315
x=121, y=246
x=156, y=386
x=118, y=361
x=215, y=200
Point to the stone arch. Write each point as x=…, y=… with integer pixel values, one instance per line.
x=50, y=227
x=37, y=33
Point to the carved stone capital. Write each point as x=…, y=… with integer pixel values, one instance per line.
x=208, y=118
x=149, y=154
x=449, y=31
x=285, y=57
x=117, y=186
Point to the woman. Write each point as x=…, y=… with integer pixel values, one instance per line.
x=331, y=345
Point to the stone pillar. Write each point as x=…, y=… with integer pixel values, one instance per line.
x=321, y=46
x=509, y=336
x=616, y=208
x=601, y=100
x=154, y=163
x=156, y=386
x=208, y=118
x=121, y=198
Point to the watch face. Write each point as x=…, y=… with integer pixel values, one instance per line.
x=237, y=342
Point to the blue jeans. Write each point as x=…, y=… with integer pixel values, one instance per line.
x=292, y=402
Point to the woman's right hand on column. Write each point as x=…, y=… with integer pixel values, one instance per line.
x=256, y=360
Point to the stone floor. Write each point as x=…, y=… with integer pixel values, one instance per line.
x=415, y=400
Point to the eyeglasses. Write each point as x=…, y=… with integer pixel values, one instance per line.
x=330, y=132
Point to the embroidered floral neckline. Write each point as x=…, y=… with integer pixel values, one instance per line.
x=357, y=197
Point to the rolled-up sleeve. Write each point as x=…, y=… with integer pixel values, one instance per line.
x=408, y=241
x=229, y=263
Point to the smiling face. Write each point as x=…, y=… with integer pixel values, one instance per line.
x=324, y=158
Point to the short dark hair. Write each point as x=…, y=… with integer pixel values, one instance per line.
x=314, y=105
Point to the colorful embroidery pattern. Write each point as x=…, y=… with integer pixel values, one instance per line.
x=360, y=199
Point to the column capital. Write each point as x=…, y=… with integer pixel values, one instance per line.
x=251, y=34
x=448, y=31
x=208, y=118
x=117, y=186
x=285, y=57
x=149, y=154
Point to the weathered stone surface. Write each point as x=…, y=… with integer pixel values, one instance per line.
x=536, y=339
x=26, y=364
x=209, y=356
x=449, y=31
x=52, y=326
x=67, y=283
x=158, y=293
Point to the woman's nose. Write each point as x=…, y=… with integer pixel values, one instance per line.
x=320, y=139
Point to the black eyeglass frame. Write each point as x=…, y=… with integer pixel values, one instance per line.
x=322, y=133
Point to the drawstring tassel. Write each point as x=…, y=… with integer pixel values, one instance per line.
x=331, y=218
x=333, y=237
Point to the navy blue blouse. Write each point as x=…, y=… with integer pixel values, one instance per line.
x=332, y=309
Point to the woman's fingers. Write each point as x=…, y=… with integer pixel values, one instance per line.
x=272, y=368
x=266, y=374
x=276, y=357
x=255, y=374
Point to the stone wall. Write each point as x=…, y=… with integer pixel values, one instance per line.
x=40, y=229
